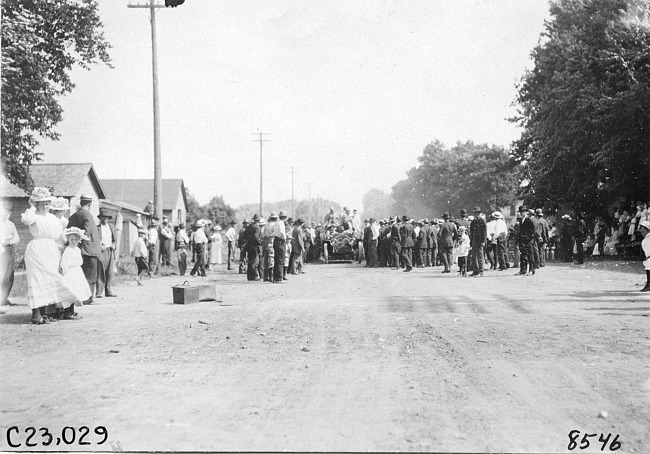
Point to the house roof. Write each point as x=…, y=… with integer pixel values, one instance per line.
x=123, y=205
x=139, y=192
x=66, y=179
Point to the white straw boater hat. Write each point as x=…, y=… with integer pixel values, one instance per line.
x=60, y=204
x=75, y=231
x=40, y=195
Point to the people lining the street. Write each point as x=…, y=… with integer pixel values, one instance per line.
x=46, y=288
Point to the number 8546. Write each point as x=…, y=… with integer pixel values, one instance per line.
x=584, y=442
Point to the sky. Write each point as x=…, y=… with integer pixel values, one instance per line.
x=350, y=92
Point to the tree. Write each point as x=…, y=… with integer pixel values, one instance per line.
x=377, y=204
x=461, y=177
x=215, y=210
x=41, y=42
x=585, y=107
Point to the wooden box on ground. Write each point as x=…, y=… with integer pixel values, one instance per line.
x=184, y=294
x=207, y=292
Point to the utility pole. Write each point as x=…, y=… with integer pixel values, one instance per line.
x=157, y=166
x=261, y=139
x=292, y=197
x=309, y=215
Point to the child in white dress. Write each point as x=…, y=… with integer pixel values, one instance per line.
x=462, y=250
x=73, y=275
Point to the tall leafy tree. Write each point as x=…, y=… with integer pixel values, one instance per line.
x=42, y=40
x=585, y=106
x=377, y=204
x=448, y=179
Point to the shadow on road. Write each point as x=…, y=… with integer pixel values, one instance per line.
x=15, y=319
x=603, y=294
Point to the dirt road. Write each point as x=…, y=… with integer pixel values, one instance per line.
x=343, y=358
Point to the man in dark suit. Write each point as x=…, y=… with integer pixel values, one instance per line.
x=526, y=243
x=108, y=242
x=477, y=239
x=433, y=241
x=580, y=235
x=542, y=235
x=395, y=242
x=90, y=249
x=407, y=234
x=447, y=235
x=297, y=246
x=253, y=241
x=533, y=219
x=367, y=233
x=426, y=243
x=384, y=246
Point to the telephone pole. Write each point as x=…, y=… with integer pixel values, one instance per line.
x=292, y=197
x=261, y=139
x=309, y=215
x=157, y=166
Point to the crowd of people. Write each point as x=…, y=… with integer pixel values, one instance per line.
x=71, y=261
x=67, y=261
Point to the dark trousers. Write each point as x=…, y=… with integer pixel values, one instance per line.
x=242, y=260
x=407, y=256
x=395, y=249
x=372, y=259
x=7, y=267
x=491, y=255
x=446, y=253
x=199, y=265
x=296, y=261
x=526, y=256
x=462, y=266
x=477, y=256
x=535, y=252
x=231, y=254
x=141, y=263
x=381, y=251
x=541, y=247
x=434, y=255
x=366, y=252
x=252, y=271
x=502, y=246
x=153, y=258
x=105, y=274
x=90, y=267
x=279, y=250
x=182, y=260
x=427, y=257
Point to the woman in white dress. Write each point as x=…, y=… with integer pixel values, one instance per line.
x=58, y=207
x=45, y=285
x=217, y=246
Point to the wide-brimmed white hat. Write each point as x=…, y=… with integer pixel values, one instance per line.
x=497, y=215
x=60, y=204
x=75, y=231
x=40, y=194
x=645, y=224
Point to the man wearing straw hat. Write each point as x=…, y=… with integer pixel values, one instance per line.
x=91, y=249
x=108, y=241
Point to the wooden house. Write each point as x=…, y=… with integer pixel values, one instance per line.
x=66, y=180
x=137, y=193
